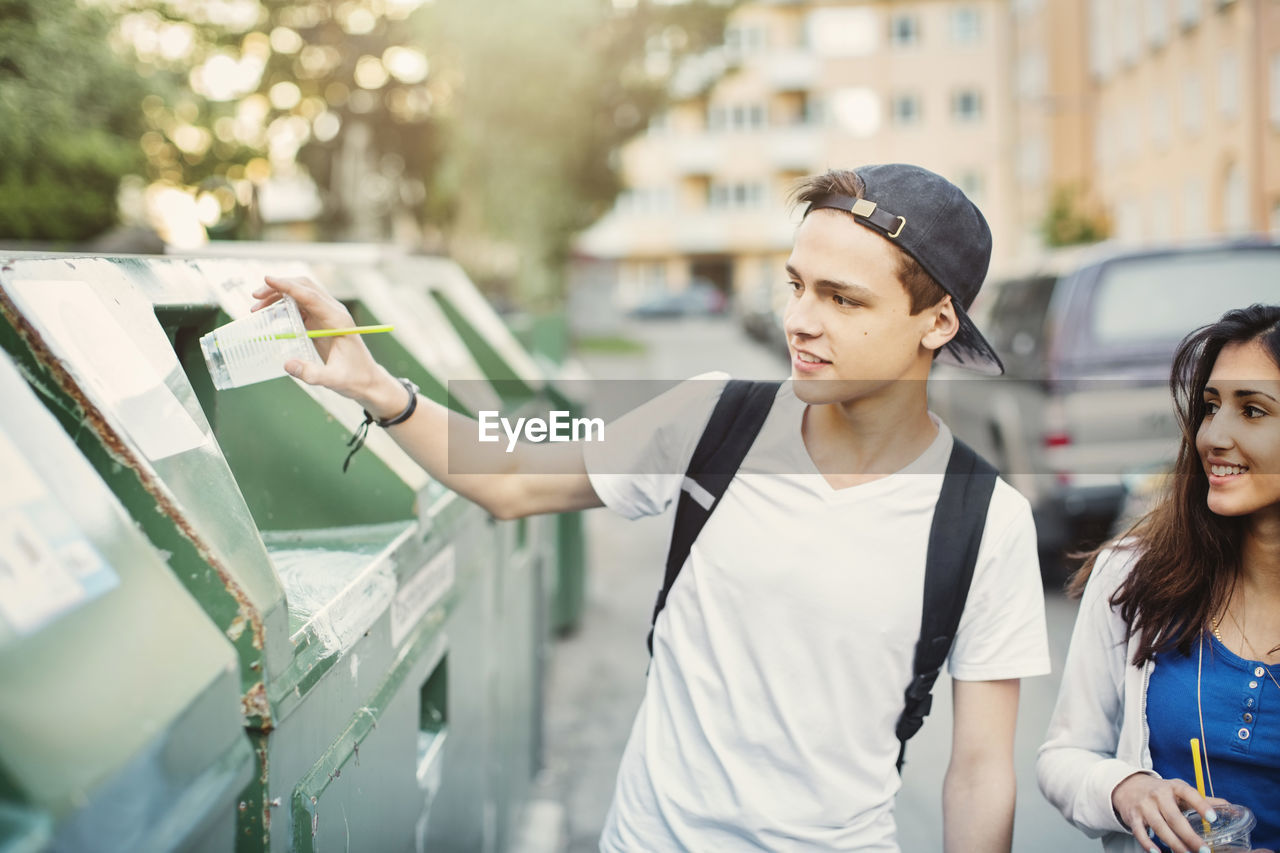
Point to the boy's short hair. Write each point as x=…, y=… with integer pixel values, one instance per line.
x=922, y=288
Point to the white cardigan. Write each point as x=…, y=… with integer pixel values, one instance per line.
x=1098, y=734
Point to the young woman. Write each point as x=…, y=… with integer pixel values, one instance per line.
x=1178, y=634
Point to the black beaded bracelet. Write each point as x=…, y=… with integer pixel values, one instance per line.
x=408, y=409
x=362, y=432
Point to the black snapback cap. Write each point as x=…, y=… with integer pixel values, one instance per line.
x=933, y=221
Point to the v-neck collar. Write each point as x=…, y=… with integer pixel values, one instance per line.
x=932, y=460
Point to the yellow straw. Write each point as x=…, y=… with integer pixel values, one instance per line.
x=1195, y=756
x=329, y=333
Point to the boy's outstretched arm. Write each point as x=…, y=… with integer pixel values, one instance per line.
x=980, y=788
x=531, y=479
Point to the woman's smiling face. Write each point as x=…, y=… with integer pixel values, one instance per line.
x=1239, y=438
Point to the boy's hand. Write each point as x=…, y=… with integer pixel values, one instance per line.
x=1152, y=808
x=349, y=368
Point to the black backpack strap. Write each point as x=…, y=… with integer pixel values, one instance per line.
x=954, y=538
x=735, y=422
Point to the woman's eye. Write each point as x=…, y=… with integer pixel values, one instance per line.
x=1210, y=408
x=1254, y=412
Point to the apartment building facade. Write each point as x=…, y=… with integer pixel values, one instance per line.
x=1187, y=116
x=801, y=86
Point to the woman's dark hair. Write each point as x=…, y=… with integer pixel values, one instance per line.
x=1188, y=557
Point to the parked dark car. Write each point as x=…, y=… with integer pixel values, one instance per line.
x=699, y=299
x=1087, y=339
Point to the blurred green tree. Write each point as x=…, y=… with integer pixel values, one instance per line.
x=1070, y=220
x=69, y=121
x=490, y=132
x=543, y=95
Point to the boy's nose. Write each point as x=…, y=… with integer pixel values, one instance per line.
x=800, y=319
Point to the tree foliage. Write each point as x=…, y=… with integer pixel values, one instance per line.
x=1070, y=221
x=546, y=94
x=493, y=127
x=69, y=120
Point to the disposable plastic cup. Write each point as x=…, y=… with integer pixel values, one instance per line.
x=255, y=348
x=1229, y=833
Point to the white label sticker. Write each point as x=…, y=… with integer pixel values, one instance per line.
x=420, y=592
x=21, y=485
x=34, y=586
x=110, y=363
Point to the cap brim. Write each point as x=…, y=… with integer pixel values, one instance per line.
x=969, y=349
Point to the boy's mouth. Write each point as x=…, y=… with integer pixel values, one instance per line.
x=809, y=358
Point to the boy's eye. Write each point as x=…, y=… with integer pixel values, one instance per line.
x=840, y=300
x=795, y=286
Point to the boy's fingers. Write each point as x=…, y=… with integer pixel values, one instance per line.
x=308, y=372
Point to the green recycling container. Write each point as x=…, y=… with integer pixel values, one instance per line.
x=384, y=642
x=517, y=377
x=120, y=723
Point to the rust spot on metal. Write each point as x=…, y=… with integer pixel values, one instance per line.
x=124, y=455
x=237, y=626
x=254, y=704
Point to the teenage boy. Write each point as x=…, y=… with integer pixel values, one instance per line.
x=782, y=654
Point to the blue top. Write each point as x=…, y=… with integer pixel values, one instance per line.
x=1241, y=706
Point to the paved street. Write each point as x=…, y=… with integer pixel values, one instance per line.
x=596, y=677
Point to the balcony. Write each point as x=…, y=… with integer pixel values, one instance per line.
x=793, y=148
x=791, y=71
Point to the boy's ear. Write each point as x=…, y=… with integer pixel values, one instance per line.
x=942, y=325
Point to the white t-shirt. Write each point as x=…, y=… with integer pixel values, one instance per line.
x=781, y=657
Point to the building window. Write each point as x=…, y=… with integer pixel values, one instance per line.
x=904, y=30
x=1130, y=38
x=1195, y=221
x=1031, y=162
x=966, y=25
x=1101, y=39
x=966, y=106
x=1188, y=12
x=1192, y=106
x=1160, y=218
x=905, y=110
x=973, y=185
x=1157, y=20
x=1026, y=8
x=1228, y=86
x=735, y=196
x=1275, y=90
x=1032, y=76
x=1161, y=121
x=1128, y=220
x=1130, y=135
x=736, y=117
x=640, y=201
x=742, y=39
x=1235, y=202
x=1102, y=144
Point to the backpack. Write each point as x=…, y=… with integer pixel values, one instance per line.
x=954, y=536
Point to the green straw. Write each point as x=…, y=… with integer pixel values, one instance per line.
x=330, y=333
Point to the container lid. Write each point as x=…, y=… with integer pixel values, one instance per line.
x=1233, y=824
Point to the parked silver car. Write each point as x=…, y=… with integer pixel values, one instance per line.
x=1087, y=339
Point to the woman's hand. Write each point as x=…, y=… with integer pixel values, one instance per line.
x=1152, y=808
x=348, y=368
